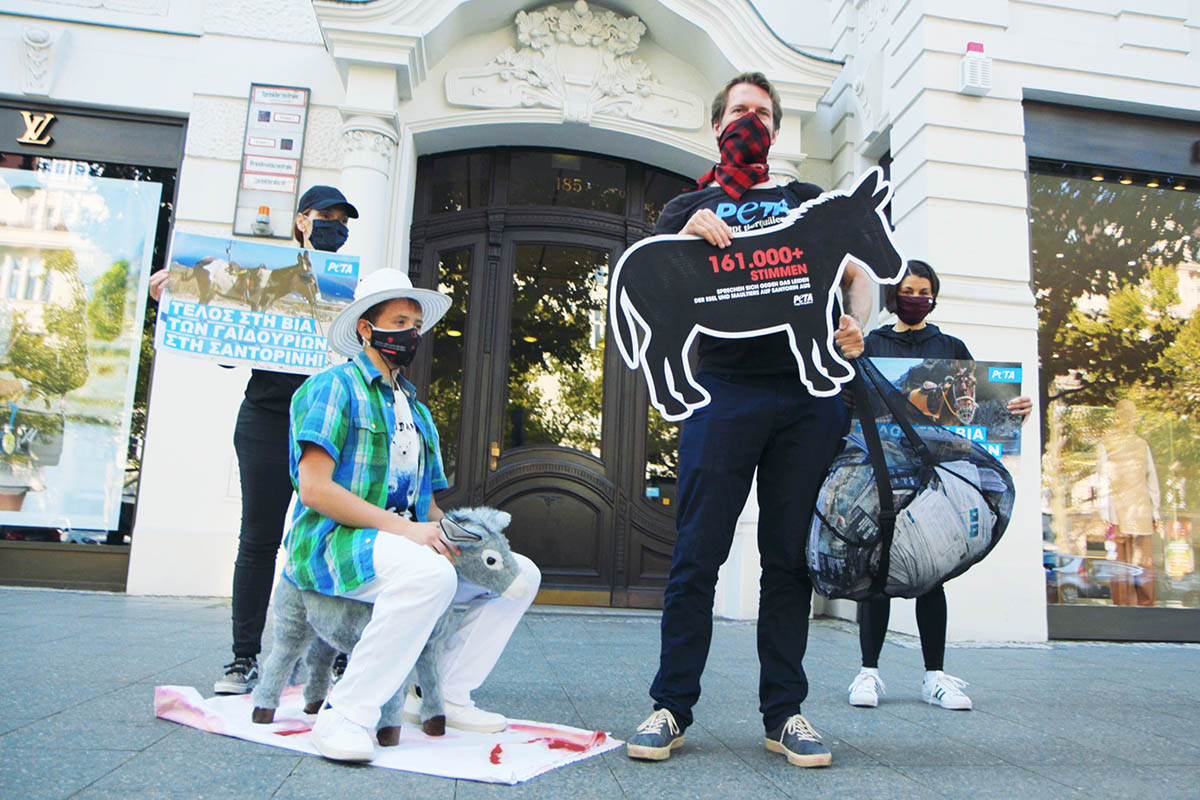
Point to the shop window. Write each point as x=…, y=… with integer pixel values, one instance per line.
x=1117, y=282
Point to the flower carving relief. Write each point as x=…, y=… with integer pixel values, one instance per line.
x=580, y=62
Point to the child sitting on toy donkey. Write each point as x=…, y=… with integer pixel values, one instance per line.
x=364, y=458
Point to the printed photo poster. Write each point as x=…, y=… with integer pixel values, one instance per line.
x=967, y=397
x=75, y=257
x=244, y=303
x=668, y=289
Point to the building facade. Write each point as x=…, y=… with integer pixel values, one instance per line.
x=507, y=152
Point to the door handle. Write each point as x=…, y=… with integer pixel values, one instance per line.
x=494, y=456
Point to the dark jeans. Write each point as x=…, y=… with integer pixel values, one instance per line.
x=261, y=442
x=774, y=425
x=931, y=623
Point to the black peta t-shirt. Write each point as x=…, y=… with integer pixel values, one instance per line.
x=758, y=208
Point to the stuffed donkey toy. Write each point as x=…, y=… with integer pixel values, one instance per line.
x=325, y=625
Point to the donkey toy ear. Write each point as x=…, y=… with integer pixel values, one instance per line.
x=457, y=533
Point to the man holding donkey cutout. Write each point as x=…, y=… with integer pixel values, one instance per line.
x=758, y=417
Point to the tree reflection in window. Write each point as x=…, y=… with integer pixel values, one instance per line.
x=1117, y=281
x=445, y=380
x=556, y=354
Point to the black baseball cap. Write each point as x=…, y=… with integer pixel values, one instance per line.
x=323, y=197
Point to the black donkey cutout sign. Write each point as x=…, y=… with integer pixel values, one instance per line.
x=667, y=289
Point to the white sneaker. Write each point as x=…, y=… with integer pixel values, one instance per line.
x=944, y=690
x=465, y=718
x=866, y=688
x=338, y=738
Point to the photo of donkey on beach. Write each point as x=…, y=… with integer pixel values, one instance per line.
x=667, y=289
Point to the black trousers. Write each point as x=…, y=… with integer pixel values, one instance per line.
x=261, y=442
x=931, y=623
x=772, y=424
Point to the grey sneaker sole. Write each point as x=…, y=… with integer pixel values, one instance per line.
x=337, y=754
x=653, y=753
x=933, y=701
x=234, y=687
x=814, y=760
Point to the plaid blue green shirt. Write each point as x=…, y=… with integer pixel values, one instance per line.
x=349, y=411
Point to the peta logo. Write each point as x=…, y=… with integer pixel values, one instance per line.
x=802, y=299
x=347, y=268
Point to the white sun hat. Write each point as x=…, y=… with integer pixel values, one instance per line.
x=381, y=285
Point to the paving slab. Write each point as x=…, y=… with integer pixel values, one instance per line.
x=1063, y=719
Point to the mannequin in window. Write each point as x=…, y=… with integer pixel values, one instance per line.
x=1129, y=503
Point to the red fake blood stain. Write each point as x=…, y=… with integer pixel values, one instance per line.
x=292, y=732
x=495, y=756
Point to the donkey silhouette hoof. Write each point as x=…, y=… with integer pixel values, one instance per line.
x=313, y=707
x=263, y=716
x=388, y=735
x=691, y=395
x=435, y=726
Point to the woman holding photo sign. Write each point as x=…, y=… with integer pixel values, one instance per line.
x=912, y=337
x=261, y=442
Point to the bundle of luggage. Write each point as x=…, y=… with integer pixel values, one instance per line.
x=906, y=505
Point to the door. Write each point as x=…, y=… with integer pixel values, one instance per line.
x=538, y=416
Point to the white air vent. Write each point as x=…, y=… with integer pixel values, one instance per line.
x=975, y=71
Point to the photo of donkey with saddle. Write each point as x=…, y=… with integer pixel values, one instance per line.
x=778, y=279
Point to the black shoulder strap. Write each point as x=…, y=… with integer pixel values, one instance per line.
x=883, y=482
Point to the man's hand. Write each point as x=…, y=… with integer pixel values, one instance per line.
x=158, y=282
x=429, y=534
x=848, y=337
x=706, y=224
x=1020, y=407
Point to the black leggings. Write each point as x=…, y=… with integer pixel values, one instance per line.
x=931, y=622
x=261, y=442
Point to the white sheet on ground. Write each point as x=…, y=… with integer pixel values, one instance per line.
x=523, y=751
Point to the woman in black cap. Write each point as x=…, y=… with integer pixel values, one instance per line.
x=261, y=442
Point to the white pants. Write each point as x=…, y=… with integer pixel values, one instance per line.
x=412, y=587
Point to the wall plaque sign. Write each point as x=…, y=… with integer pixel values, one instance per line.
x=271, y=152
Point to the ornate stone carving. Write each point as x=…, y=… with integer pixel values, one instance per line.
x=580, y=62
x=37, y=57
x=370, y=141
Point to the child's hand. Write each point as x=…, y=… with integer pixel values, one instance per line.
x=429, y=534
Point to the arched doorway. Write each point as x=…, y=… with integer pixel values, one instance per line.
x=537, y=415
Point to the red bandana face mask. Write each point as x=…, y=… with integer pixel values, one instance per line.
x=744, y=145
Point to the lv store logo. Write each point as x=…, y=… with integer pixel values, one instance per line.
x=36, y=126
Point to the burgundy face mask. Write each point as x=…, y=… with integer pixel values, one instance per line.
x=912, y=308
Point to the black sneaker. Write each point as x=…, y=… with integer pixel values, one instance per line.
x=656, y=737
x=797, y=740
x=240, y=677
x=339, y=667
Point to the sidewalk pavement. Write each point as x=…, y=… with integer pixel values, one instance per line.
x=1060, y=720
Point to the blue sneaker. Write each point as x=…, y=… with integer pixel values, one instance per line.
x=656, y=737
x=797, y=740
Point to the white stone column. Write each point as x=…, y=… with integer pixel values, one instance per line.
x=369, y=144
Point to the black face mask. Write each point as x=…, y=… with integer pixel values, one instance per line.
x=328, y=235
x=396, y=346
